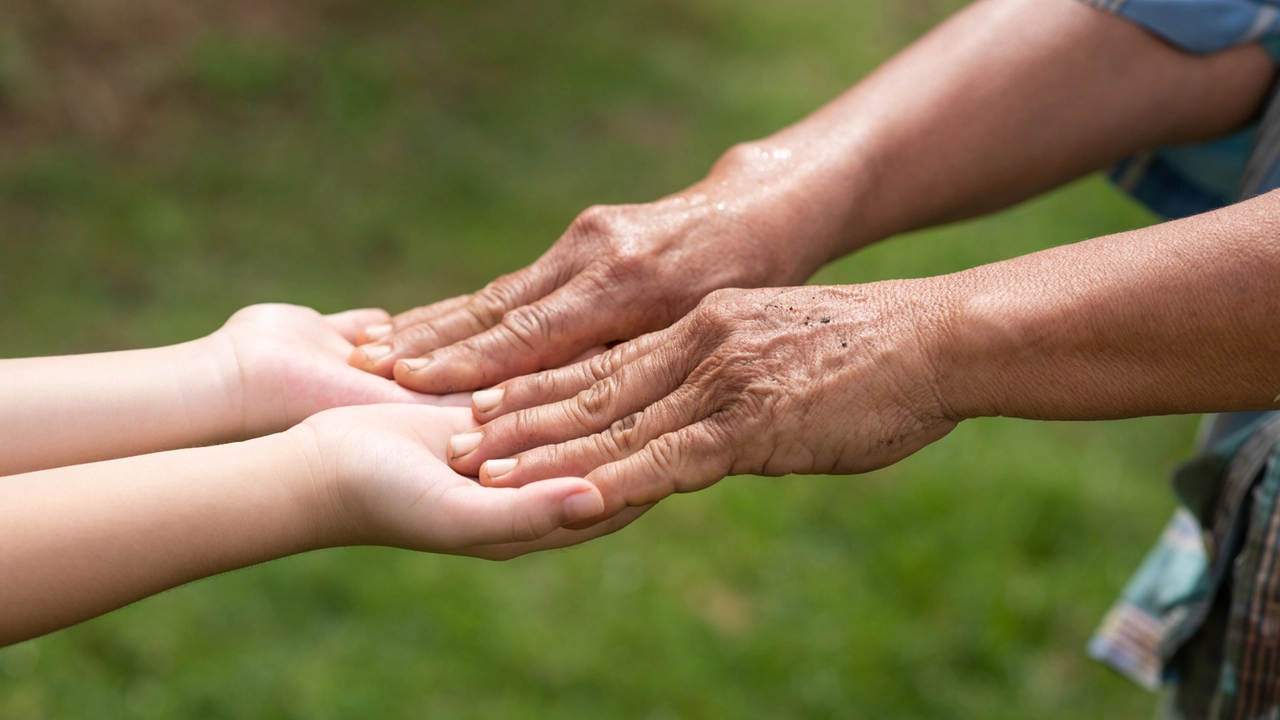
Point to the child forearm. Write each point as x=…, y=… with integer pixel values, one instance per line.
x=59, y=411
x=79, y=541
x=268, y=368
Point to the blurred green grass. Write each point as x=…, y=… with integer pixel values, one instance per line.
x=162, y=165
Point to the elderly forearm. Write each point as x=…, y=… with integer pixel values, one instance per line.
x=79, y=541
x=1005, y=100
x=1182, y=317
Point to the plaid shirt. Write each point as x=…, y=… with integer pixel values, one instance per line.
x=1201, y=616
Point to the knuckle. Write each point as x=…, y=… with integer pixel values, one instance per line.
x=622, y=435
x=606, y=363
x=491, y=303
x=504, y=434
x=710, y=312
x=663, y=456
x=596, y=399
x=416, y=337
x=664, y=452
x=625, y=266
x=530, y=325
x=539, y=385
x=597, y=221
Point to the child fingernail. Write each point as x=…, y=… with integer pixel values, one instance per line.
x=373, y=353
x=486, y=400
x=377, y=332
x=498, y=468
x=582, y=506
x=460, y=445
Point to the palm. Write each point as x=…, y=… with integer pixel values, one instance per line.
x=392, y=486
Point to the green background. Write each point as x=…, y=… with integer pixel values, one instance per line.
x=163, y=164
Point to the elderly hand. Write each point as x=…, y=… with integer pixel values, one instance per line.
x=618, y=272
x=769, y=382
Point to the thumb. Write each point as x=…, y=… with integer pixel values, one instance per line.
x=484, y=516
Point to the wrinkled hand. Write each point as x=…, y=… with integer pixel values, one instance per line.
x=618, y=272
x=380, y=475
x=283, y=363
x=768, y=382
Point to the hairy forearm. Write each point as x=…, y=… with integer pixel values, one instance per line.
x=79, y=541
x=1181, y=317
x=59, y=411
x=1007, y=99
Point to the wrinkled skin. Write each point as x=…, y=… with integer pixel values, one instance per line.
x=616, y=273
x=767, y=382
x=1005, y=100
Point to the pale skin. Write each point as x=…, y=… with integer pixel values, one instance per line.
x=1005, y=100
x=267, y=369
x=80, y=540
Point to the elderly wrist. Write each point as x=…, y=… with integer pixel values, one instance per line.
x=765, y=198
x=976, y=347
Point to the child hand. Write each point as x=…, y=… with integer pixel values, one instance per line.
x=382, y=480
x=284, y=363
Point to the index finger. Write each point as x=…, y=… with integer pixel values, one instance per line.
x=420, y=331
x=542, y=334
x=549, y=386
x=633, y=387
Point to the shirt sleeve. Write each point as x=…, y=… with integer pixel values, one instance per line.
x=1190, y=179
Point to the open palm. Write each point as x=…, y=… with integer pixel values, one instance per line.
x=381, y=472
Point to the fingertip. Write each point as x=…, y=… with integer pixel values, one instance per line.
x=367, y=357
x=583, y=505
x=462, y=444
x=577, y=499
x=497, y=473
x=375, y=332
x=486, y=402
x=406, y=372
x=441, y=372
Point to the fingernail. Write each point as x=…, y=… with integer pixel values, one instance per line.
x=498, y=468
x=486, y=400
x=373, y=353
x=582, y=506
x=414, y=364
x=377, y=332
x=460, y=445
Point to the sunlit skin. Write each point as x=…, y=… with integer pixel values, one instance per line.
x=77, y=540
x=1005, y=100
x=1179, y=318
